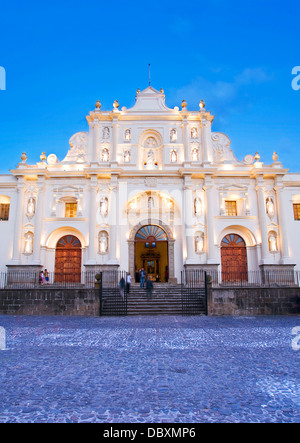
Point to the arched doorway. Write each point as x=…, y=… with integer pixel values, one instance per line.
x=151, y=252
x=68, y=260
x=234, y=259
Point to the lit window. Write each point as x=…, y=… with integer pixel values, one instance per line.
x=4, y=211
x=296, y=211
x=71, y=210
x=230, y=208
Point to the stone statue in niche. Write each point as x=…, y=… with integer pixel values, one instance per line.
x=194, y=133
x=28, y=241
x=104, y=206
x=272, y=243
x=173, y=156
x=270, y=207
x=105, y=133
x=127, y=135
x=197, y=206
x=103, y=242
x=199, y=243
x=195, y=154
x=150, y=160
x=126, y=156
x=173, y=135
x=31, y=207
x=105, y=155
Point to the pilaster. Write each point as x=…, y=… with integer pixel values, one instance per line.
x=284, y=245
x=18, y=222
x=210, y=225
x=92, y=221
x=38, y=222
x=188, y=220
x=262, y=217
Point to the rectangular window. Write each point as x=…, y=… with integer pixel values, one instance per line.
x=4, y=211
x=296, y=211
x=230, y=208
x=71, y=210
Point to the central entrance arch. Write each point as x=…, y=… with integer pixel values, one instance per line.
x=132, y=241
x=151, y=252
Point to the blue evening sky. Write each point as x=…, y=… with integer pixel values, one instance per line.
x=62, y=56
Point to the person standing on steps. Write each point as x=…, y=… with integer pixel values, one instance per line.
x=167, y=274
x=149, y=287
x=122, y=287
x=143, y=277
x=128, y=282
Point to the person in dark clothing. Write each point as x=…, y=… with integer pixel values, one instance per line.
x=122, y=286
x=149, y=287
x=167, y=274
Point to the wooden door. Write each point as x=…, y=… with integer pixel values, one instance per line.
x=68, y=260
x=234, y=258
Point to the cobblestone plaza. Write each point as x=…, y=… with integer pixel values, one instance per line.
x=149, y=370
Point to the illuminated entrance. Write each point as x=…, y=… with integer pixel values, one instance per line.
x=151, y=252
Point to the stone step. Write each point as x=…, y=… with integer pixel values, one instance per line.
x=165, y=300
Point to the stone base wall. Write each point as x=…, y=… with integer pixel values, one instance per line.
x=44, y=301
x=253, y=301
x=85, y=302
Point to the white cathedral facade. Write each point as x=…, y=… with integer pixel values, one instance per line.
x=150, y=187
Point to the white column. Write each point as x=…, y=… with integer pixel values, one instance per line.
x=222, y=203
x=284, y=245
x=96, y=133
x=188, y=221
x=262, y=217
x=206, y=142
x=17, y=247
x=187, y=154
x=113, y=222
x=210, y=225
x=114, y=145
x=38, y=225
x=92, y=222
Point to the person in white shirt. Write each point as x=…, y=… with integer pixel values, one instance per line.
x=128, y=282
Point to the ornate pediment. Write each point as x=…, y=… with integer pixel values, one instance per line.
x=149, y=100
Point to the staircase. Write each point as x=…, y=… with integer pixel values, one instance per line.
x=166, y=299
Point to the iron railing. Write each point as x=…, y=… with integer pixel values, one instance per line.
x=194, y=292
x=113, y=293
x=33, y=279
x=111, y=279
x=261, y=278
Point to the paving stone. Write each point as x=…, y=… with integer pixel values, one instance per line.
x=149, y=369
